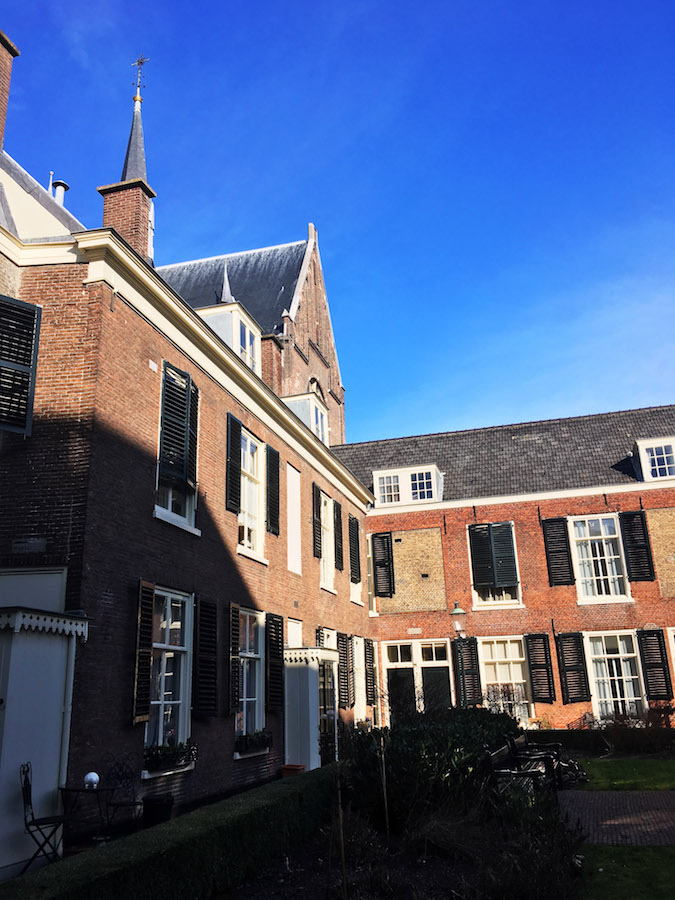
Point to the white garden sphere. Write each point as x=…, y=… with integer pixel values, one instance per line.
x=91, y=780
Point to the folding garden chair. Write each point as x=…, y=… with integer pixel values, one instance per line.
x=44, y=831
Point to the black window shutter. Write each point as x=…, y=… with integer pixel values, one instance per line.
x=383, y=565
x=337, y=522
x=316, y=519
x=369, y=649
x=558, y=555
x=233, y=465
x=467, y=672
x=343, y=670
x=572, y=665
x=354, y=551
x=174, y=448
x=272, y=490
x=636, y=546
x=235, y=669
x=655, y=664
x=319, y=636
x=146, y=606
x=19, y=338
x=205, y=667
x=481, y=556
x=504, y=554
x=274, y=660
x=193, y=426
x=350, y=672
x=541, y=670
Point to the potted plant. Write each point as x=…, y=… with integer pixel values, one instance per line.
x=157, y=758
x=253, y=742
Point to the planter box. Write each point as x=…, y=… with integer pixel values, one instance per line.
x=155, y=759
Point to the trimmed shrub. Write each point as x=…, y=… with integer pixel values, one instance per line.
x=614, y=738
x=195, y=855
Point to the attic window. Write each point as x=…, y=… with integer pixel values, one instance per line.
x=412, y=484
x=657, y=458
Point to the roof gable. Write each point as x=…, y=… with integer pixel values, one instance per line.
x=263, y=281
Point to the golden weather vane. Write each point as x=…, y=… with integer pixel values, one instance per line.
x=140, y=62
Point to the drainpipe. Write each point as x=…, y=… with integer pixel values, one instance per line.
x=67, y=710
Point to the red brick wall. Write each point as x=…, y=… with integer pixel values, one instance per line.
x=86, y=480
x=271, y=364
x=542, y=603
x=7, y=53
x=127, y=210
x=310, y=332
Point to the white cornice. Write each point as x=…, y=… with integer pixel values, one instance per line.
x=597, y=491
x=38, y=620
x=47, y=253
x=113, y=261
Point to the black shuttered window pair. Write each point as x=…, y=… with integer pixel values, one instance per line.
x=493, y=562
x=177, y=483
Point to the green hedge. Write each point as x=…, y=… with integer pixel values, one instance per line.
x=611, y=739
x=210, y=849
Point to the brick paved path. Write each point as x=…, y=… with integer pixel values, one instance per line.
x=639, y=818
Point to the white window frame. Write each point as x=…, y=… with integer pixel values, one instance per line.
x=163, y=650
x=478, y=603
x=583, y=599
x=248, y=345
x=293, y=520
x=595, y=694
x=644, y=446
x=327, y=561
x=359, y=655
x=503, y=705
x=165, y=495
x=251, y=518
x=372, y=599
x=293, y=633
x=416, y=663
x=404, y=476
x=254, y=657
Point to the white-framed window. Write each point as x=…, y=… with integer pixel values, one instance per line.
x=421, y=485
x=251, y=511
x=293, y=632
x=176, y=486
x=598, y=559
x=172, y=618
x=327, y=543
x=408, y=485
x=312, y=410
x=615, y=674
x=359, y=678
x=417, y=676
x=319, y=423
x=504, y=676
x=251, y=713
x=495, y=574
x=657, y=458
x=372, y=599
x=247, y=345
x=388, y=489
x=293, y=520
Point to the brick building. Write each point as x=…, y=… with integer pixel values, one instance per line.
x=180, y=551
x=183, y=551
x=527, y=567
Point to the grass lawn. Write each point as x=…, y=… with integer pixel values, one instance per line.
x=629, y=774
x=613, y=873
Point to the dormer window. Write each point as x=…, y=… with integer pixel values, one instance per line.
x=312, y=410
x=657, y=458
x=237, y=329
x=412, y=484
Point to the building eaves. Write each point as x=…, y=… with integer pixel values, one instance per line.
x=40, y=194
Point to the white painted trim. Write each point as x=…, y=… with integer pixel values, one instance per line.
x=167, y=516
x=249, y=554
x=48, y=253
x=110, y=260
x=264, y=752
x=468, y=502
x=39, y=620
x=147, y=776
x=302, y=277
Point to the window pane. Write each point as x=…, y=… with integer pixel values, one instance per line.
x=441, y=651
x=406, y=652
x=172, y=670
x=392, y=654
x=427, y=652
x=176, y=636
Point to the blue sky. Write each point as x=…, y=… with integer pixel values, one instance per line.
x=493, y=182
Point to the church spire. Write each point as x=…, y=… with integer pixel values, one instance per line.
x=134, y=161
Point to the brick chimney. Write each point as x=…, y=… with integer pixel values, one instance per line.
x=127, y=204
x=7, y=53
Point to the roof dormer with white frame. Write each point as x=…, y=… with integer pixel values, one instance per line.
x=407, y=485
x=656, y=458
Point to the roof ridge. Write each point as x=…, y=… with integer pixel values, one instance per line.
x=189, y=262
x=432, y=434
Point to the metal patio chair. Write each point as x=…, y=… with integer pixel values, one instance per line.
x=44, y=831
x=121, y=775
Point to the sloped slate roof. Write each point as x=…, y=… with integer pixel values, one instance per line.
x=263, y=281
x=532, y=457
x=134, y=161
